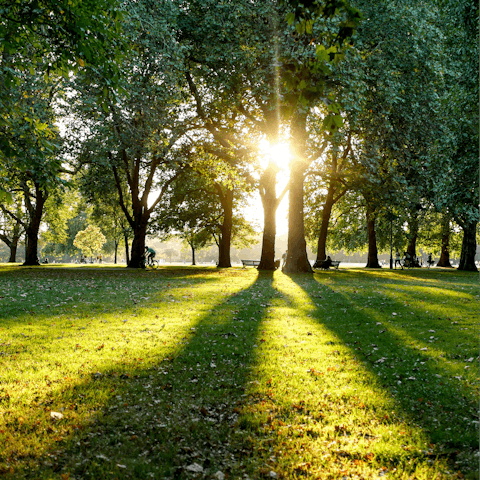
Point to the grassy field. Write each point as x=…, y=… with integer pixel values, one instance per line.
x=237, y=374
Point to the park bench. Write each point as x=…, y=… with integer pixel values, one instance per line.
x=250, y=263
x=320, y=265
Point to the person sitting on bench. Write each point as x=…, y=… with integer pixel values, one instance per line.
x=325, y=264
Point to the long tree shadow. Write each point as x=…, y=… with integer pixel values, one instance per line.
x=422, y=386
x=175, y=418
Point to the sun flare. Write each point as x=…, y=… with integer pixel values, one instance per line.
x=278, y=153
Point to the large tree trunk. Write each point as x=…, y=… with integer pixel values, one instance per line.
x=35, y=212
x=13, y=252
x=225, y=239
x=469, y=248
x=412, y=237
x=372, y=239
x=138, y=244
x=445, y=251
x=116, y=242
x=297, y=259
x=270, y=205
x=31, y=244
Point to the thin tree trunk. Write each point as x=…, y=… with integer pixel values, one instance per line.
x=116, y=242
x=193, y=255
x=297, y=259
x=445, y=251
x=127, y=254
x=469, y=248
x=372, y=239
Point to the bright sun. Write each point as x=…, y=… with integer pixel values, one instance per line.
x=279, y=153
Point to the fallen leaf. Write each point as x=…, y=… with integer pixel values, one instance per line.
x=194, y=467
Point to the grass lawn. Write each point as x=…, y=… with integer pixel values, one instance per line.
x=195, y=372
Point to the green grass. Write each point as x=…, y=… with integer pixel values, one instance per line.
x=237, y=373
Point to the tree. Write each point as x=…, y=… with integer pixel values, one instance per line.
x=90, y=240
x=196, y=239
x=69, y=36
x=197, y=210
x=252, y=78
x=136, y=135
x=33, y=168
x=456, y=188
x=387, y=94
x=327, y=182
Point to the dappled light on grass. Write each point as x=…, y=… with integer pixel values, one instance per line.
x=77, y=363
x=207, y=373
x=324, y=413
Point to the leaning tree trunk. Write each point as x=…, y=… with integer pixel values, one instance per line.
x=445, y=252
x=469, y=248
x=322, y=237
x=297, y=259
x=12, y=245
x=225, y=239
x=372, y=239
x=270, y=205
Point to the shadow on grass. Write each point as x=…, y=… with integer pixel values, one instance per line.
x=172, y=418
x=421, y=385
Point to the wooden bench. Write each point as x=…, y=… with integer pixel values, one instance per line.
x=250, y=263
x=334, y=264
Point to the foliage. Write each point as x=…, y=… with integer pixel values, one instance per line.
x=40, y=42
x=90, y=240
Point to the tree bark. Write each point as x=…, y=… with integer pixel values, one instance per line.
x=193, y=255
x=322, y=237
x=333, y=196
x=127, y=254
x=13, y=243
x=372, y=239
x=35, y=212
x=13, y=252
x=138, y=244
x=413, y=235
x=225, y=239
x=297, y=259
x=469, y=248
x=445, y=251
x=31, y=244
x=270, y=205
